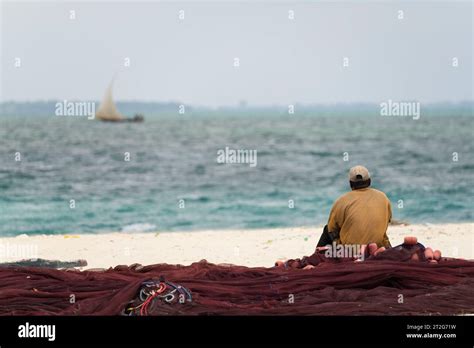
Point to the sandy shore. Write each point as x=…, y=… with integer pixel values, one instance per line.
x=243, y=247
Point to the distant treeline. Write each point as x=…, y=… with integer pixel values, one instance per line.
x=155, y=109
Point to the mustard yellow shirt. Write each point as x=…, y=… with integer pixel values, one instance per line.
x=361, y=216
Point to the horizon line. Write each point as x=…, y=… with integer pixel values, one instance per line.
x=244, y=104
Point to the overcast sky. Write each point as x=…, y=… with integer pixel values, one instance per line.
x=282, y=61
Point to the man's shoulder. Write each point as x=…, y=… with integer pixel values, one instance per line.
x=355, y=195
x=346, y=197
x=377, y=192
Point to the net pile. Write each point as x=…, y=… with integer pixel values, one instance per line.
x=382, y=285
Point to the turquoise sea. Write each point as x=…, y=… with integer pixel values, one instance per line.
x=173, y=158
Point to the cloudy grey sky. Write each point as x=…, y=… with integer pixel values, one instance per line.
x=282, y=61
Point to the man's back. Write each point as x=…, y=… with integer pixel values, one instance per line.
x=361, y=216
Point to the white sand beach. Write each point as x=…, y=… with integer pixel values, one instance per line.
x=244, y=247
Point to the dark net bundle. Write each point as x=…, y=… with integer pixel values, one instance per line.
x=386, y=284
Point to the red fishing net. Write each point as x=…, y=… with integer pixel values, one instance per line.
x=381, y=285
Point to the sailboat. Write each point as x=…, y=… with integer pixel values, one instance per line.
x=108, y=112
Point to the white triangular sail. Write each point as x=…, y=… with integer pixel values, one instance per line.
x=107, y=109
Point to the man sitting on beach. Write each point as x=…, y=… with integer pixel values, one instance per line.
x=360, y=216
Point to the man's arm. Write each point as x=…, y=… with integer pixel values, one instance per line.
x=336, y=218
x=386, y=241
x=389, y=211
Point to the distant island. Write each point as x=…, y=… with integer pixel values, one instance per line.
x=157, y=109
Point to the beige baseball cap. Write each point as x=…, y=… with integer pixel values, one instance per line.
x=359, y=173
